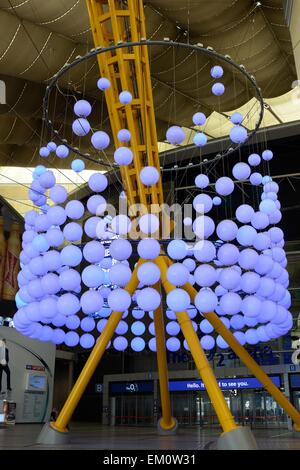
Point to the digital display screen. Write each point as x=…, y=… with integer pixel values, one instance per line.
x=37, y=382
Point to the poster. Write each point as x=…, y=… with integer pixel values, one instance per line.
x=26, y=375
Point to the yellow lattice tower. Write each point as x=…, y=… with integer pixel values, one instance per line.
x=128, y=69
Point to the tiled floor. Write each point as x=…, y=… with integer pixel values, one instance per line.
x=92, y=436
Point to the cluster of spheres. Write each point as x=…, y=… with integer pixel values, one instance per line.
x=238, y=267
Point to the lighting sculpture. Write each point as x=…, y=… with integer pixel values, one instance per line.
x=234, y=268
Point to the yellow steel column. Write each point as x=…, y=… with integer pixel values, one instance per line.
x=167, y=421
x=216, y=396
x=249, y=362
x=90, y=366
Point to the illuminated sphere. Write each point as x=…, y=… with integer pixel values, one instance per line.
x=199, y=119
x=72, y=232
x=224, y=186
x=54, y=237
x=178, y=274
x=87, y=324
x=120, y=249
x=190, y=264
x=216, y=71
x=98, y=182
x=120, y=343
x=148, y=248
x=72, y=322
x=267, y=155
x=229, y=278
x=201, y=181
x=206, y=301
x=177, y=249
x=34, y=289
x=106, y=263
x=103, y=83
x=207, y=342
x=149, y=223
x=218, y=89
x=87, y=341
x=100, y=140
x=30, y=217
x=69, y=279
x=251, y=336
x=254, y=159
x=137, y=344
x=52, y=260
x=172, y=328
x=204, y=251
x=101, y=325
x=124, y=135
x=148, y=273
x=119, y=274
x=81, y=127
x=78, y=165
x=244, y=213
x=250, y=282
x=256, y=179
x=138, y=328
x=125, y=97
x=206, y=327
x=175, y=135
x=275, y=217
x=123, y=156
x=187, y=221
x=46, y=334
x=227, y=230
x=96, y=204
x=58, y=336
x=202, y=203
x=121, y=224
x=91, y=226
x=237, y=322
x=149, y=175
x=62, y=151
x=71, y=339
x=44, y=152
x=40, y=169
x=246, y=235
x=238, y=134
x=240, y=336
x=236, y=118
x=50, y=284
x=92, y=276
x=221, y=343
x=91, y=302
x=40, y=243
x=267, y=206
x=71, y=255
x=217, y=201
x=74, y=209
x=205, y=275
x=259, y=220
x=231, y=303
x=138, y=314
x=228, y=254
x=241, y=171
x=251, y=306
x=200, y=139
x=178, y=300
x=47, y=179
x=56, y=215
x=58, y=194
x=148, y=299
x=248, y=258
x=173, y=344
x=122, y=328
x=68, y=304
x=119, y=300
x=152, y=344
x=82, y=108
x=276, y=234
x=203, y=226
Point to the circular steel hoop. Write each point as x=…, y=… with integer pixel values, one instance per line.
x=100, y=50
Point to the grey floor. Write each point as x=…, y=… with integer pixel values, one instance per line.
x=93, y=436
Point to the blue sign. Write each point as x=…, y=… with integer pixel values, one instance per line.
x=132, y=387
x=224, y=384
x=295, y=381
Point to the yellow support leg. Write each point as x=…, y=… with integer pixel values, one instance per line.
x=89, y=368
x=167, y=422
x=221, y=408
x=249, y=362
